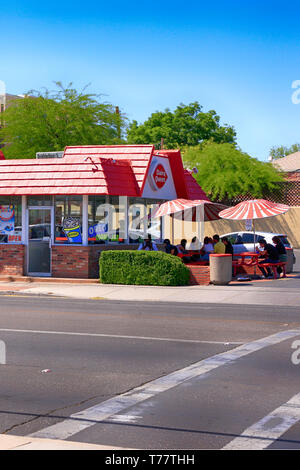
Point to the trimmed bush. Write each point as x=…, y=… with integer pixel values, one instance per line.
x=153, y=268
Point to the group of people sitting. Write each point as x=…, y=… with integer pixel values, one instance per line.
x=271, y=254
x=194, y=251
x=210, y=245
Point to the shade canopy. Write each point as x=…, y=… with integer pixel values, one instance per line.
x=186, y=209
x=253, y=209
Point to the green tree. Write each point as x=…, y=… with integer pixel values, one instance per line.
x=50, y=120
x=187, y=125
x=225, y=171
x=282, y=151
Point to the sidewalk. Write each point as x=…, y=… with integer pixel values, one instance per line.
x=8, y=442
x=235, y=293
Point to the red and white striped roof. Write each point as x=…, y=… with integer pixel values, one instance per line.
x=119, y=170
x=253, y=209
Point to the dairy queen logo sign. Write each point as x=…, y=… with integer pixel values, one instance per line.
x=159, y=176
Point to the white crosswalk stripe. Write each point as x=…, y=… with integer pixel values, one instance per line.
x=116, y=405
x=263, y=433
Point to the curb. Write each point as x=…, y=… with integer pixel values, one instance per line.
x=56, y=280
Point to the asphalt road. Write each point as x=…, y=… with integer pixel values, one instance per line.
x=98, y=354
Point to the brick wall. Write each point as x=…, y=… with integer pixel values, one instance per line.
x=70, y=261
x=12, y=259
x=83, y=262
x=199, y=275
x=80, y=261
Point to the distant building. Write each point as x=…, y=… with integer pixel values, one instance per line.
x=5, y=99
x=290, y=165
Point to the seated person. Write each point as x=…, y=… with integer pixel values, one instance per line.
x=182, y=250
x=206, y=249
x=170, y=249
x=228, y=246
x=182, y=247
x=270, y=256
x=219, y=247
x=282, y=255
x=195, y=244
x=148, y=244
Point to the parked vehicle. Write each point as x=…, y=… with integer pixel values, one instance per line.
x=244, y=241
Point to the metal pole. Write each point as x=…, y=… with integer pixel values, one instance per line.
x=172, y=217
x=85, y=220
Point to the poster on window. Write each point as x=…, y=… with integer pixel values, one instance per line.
x=72, y=229
x=98, y=231
x=7, y=220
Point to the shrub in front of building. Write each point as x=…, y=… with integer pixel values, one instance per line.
x=153, y=268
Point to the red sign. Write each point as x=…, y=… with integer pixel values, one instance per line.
x=160, y=176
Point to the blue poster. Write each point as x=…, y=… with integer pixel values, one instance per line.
x=99, y=231
x=72, y=229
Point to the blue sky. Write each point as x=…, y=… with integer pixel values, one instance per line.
x=239, y=58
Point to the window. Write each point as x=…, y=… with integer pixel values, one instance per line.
x=140, y=219
x=68, y=219
x=284, y=240
x=107, y=219
x=247, y=238
x=235, y=239
x=39, y=201
x=10, y=219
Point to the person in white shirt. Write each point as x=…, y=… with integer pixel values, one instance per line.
x=195, y=244
x=207, y=248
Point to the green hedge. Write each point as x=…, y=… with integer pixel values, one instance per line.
x=153, y=268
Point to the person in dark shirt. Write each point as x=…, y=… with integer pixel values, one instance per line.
x=280, y=248
x=270, y=256
x=170, y=249
x=282, y=255
x=228, y=246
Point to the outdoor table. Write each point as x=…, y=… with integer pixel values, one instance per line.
x=242, y=261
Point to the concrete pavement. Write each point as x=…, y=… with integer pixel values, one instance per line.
x=283, y=292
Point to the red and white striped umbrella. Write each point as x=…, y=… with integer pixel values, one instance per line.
x=178, y=206
x=172, y=207
x=253, y=209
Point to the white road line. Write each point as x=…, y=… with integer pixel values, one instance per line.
x=263, y=433
x=95, y=414
x=102, y=335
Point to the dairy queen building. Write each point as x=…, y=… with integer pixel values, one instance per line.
x=58, y=214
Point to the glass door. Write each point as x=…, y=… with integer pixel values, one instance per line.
x=39, y=241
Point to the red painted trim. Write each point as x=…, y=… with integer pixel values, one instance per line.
x=215, y=255
x=146, y=173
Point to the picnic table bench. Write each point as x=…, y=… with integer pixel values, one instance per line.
x=243, y=260
x=253, y=261
x=274, y=266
